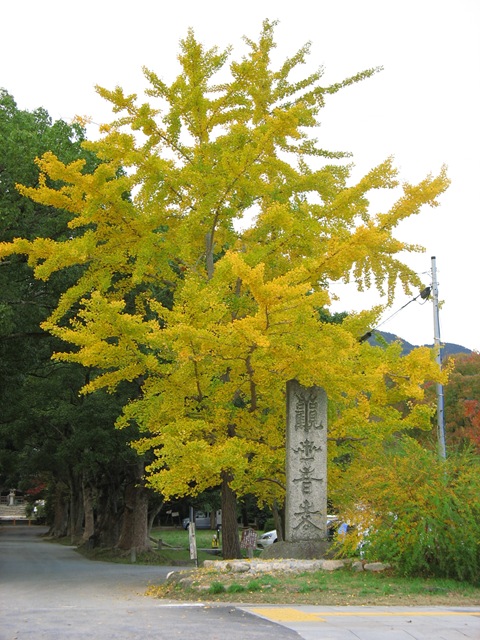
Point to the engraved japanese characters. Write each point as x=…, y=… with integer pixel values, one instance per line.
x=306, y=499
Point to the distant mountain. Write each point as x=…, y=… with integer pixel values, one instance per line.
x=448, y=348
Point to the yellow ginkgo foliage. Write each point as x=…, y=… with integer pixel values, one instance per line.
x=207, y=241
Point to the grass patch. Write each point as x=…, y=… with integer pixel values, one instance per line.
x=342, y=587
x=216, y=588
x=170, y=547
x=306, y=587
x=162, y=557
x=262, y=582
x=236, y=588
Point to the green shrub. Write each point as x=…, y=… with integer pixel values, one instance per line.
x=422, y=512
x=236, y=588
x=216, y=587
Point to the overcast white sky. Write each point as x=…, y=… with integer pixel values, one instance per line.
x=423, y=108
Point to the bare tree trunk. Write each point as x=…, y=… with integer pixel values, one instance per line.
x=89, y=528
x=134, y=531
x=277, y=519
x=107, y=522
x=76, y=518
x=60, y=519
x=75, y=525
x=230, y=536
x=152, y=514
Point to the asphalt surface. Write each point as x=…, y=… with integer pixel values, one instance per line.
x=49, y=592
x=376, y=623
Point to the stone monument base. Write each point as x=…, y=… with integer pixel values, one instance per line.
x=303, y=550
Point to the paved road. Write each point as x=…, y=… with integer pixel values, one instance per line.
x=376, y=623
x=49, y=592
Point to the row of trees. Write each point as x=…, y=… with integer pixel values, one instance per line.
x=183, y=264
x=54, y=441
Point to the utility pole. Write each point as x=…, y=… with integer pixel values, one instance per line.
x=438, y=356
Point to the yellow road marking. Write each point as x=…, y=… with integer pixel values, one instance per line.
x=401, y=613
x=288, y=614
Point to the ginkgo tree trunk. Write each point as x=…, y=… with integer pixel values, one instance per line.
x=212, y=232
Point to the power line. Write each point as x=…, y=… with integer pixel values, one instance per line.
x=424, y=295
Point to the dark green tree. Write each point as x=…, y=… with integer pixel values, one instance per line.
x=25, y=349
x=49, y=434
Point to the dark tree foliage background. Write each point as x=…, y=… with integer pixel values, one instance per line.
x=54, y=443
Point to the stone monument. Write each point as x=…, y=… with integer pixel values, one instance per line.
x=306, y=471
x=306, y=464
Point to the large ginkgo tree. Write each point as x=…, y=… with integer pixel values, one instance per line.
x=211, y=234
